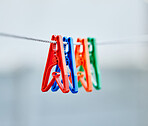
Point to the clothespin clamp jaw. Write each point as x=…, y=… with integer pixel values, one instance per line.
x=56, y=57
x=70, y=62
x=94, y=62
x=82, y=59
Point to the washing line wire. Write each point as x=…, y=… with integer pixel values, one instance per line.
x=112, y=42
x=24, y=37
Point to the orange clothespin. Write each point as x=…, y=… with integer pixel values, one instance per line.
x=82, y=59
x=56, y=57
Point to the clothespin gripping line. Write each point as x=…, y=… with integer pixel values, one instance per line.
x=70, y=62
x=56, y=57
x=82, y=59
x=94, y=63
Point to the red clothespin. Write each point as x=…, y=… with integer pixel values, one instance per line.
x=56, y=57
x=82, y=59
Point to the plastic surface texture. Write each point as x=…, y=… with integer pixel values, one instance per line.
x=82, y=59
x=56, y=57
x=70, y=62
x=94, y=62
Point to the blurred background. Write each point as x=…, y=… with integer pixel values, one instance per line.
x=122, y=101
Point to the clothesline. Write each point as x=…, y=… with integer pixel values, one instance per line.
x=112, y=42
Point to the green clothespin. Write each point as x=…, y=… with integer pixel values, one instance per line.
x=93, y=61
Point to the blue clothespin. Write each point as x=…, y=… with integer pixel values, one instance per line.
x=70, y=62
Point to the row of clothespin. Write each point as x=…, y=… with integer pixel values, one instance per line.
x=62, y=55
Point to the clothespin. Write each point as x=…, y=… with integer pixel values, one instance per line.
x=56, y=57
x=94, y=63
x=82, y=59
x=70, y=62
